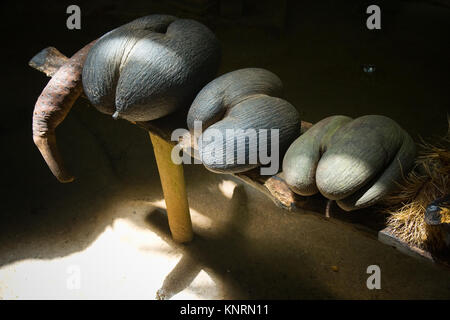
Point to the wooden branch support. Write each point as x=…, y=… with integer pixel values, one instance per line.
x=386, y=236
x=48, y=61
x=368, y=221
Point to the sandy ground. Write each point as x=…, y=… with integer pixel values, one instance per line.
x=106, y=234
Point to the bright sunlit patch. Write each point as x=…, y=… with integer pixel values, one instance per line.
x=126, y=261
x=227, y=188
x=114, y=266
x=203, y=285
x=160, y=204
x=198, y=219
x=135, y=236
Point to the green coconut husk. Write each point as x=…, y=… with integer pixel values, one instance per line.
x=428, y=181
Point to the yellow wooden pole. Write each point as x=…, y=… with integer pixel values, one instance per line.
x=174, y=189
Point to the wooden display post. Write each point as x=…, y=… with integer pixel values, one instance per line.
x=174, y=189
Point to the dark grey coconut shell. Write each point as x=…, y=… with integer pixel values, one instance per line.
x=243, y=99
x=356, y=162
x=150, y=67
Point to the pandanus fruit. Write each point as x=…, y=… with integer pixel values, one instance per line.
x=355, y=162
x=240, y=100
x=141, y=71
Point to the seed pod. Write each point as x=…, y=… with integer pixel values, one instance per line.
x=301, y=159
x=242, y=101
x=150, y=67
x=356, y=162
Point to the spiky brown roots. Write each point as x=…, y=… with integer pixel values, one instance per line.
x=429, y=180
